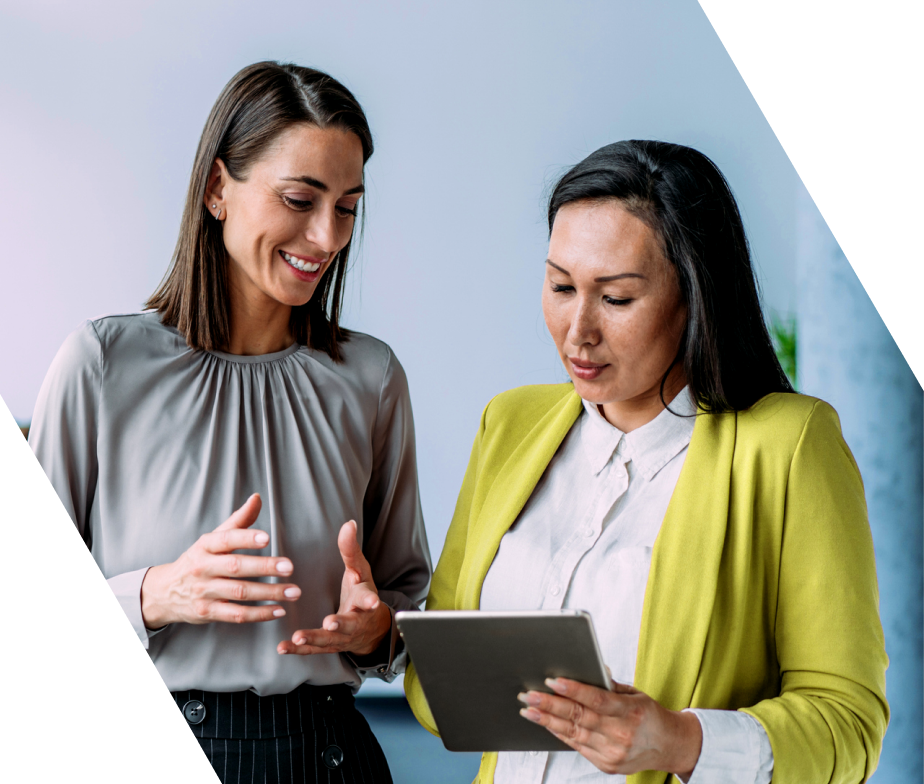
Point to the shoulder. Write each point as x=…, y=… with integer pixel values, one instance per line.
x=115, y=328
x=526, y=404
x=786, y=416
x=786, y=425
x=367, y=362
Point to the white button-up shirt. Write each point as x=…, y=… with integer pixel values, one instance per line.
x=583, y=541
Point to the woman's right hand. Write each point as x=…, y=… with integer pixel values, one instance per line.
x=205, y=583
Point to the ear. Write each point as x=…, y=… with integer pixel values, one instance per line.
x=215, y=187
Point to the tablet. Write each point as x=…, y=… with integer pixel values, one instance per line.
x=472, y=665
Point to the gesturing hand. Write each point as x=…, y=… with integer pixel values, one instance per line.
x=619, y=731
x=204, y=584
x=361, y=622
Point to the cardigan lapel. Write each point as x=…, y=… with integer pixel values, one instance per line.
x=510, y=491
x=681, y=588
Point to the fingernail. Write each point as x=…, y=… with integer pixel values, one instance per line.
x=299, y=640
x=261, y=538
x=284, y=567
x=556, y=685
x=292, y=593
x=529, y=713
x=529, y=698
x=332, y=626
x=279, y=613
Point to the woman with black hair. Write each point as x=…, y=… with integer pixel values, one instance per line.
x=711, y=521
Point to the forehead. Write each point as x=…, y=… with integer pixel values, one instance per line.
x=322, y=153
x=604, y=238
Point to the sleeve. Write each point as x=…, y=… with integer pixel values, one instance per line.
x=394, y=538
x=828, y=722
x=736, y=750
x=62, y=474
x=446, y=576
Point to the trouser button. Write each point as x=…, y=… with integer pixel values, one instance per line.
x=194, y=711
x=332, y=756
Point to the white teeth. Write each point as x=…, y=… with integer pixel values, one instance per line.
x=304, y=266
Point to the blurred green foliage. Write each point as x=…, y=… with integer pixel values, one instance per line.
x=783, y=332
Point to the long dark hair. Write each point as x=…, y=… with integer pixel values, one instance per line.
x=726, y=350
x=260, y=102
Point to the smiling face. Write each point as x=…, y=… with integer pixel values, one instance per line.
x=613, y=306
x=285, y=223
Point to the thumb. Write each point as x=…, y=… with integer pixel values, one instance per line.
x=245, y=516
x=351, y=552
x=623, y=688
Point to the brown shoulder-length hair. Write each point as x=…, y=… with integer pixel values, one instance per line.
x=260, y=102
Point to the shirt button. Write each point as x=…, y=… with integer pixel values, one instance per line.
x=555, y=590
x=194, y=711
x=588, y=532
x=534, y=754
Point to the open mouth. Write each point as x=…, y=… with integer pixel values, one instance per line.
x=303, y=265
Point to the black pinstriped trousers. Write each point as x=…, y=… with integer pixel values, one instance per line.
x=311, y=735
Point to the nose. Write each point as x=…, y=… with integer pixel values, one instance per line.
x=323, y=231
x=583, y=329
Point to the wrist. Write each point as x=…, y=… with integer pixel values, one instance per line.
x=686, y=746
x=153, y=610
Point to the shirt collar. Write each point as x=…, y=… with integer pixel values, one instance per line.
x=650, y=447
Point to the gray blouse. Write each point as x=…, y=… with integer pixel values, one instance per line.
x=150, y=444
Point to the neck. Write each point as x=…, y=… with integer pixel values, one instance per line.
x=629, y=415
x=259, y=324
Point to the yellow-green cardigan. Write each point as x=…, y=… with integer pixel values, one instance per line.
x=762, y=594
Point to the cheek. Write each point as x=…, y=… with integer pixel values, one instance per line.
x=555, y=319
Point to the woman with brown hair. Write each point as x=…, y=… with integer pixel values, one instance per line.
x=235, y=399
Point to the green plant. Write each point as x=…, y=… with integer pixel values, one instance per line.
x=783, y=332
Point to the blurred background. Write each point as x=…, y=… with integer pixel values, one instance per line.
x=476, y=108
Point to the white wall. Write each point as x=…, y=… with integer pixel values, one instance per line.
x=475, y=106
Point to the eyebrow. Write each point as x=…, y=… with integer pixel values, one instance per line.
x=604, y=279
x=321, y=186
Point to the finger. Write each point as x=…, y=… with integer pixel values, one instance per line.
x=249, y=591
x=344, y=623
x=623, y=688
x=237, y=566
x=245, y=516
x=311, y=641
x=360, y=598
x=226, y=540
x=351, y=552
x=562, y=708
x=573, y=734
x=596, y=699
x=229, y=612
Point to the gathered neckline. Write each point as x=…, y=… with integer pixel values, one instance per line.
x=256, y=359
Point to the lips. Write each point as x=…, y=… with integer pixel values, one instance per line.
x=585, y=363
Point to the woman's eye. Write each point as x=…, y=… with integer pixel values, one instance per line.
x=615, y=301
x=559, y=288
x=296, y=204
x=344, y=212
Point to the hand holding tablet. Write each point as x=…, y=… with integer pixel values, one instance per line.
x=473, y=666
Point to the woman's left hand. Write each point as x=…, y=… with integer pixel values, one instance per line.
x=362, y=620
x=619, y=731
